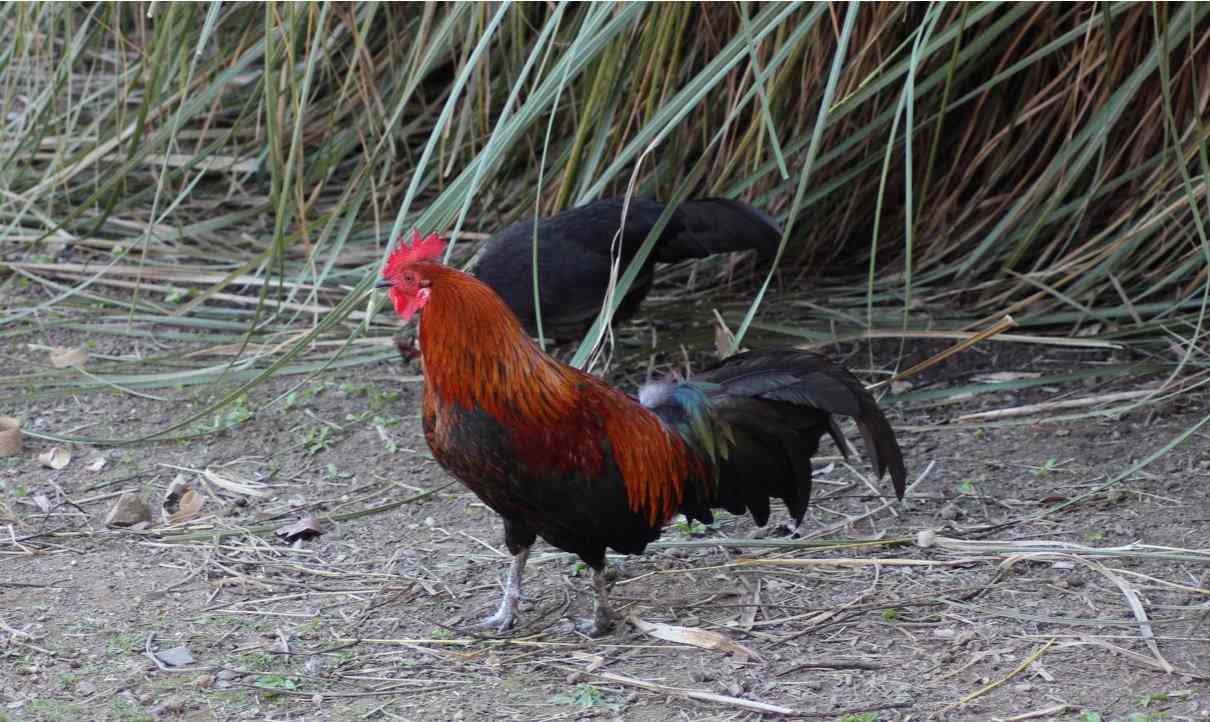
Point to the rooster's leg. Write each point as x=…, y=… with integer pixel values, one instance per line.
x=602, y=618
x=503, y=619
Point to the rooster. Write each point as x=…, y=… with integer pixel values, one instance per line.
x=576, y=251
x=560, y=454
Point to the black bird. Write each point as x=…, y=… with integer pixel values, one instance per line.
x=574, y=255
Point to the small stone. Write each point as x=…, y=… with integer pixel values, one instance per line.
x=128, y=511
x=86, y=688
x=176, y=657
x=226, y=674
x=701, y=675
x=170, y=706
x=950, y=512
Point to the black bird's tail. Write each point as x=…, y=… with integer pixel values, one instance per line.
x=706, y=226
x=758, y=417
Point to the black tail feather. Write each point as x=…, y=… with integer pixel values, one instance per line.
x=882, y=447
x=776, y=406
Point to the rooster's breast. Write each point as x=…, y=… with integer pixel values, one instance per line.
x=575, y=509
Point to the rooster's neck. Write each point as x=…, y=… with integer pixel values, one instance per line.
x=476, y=352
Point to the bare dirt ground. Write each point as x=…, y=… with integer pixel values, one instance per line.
x=364, y=622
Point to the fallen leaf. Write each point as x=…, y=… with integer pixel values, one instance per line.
x=56, y=457
x=172, y=498
x=247, y=488
x=694, y=637
x=724, y=339
x=62, y=357
x=595, y=661
x=128, y=511
x=175, y=657
x=42, y=502
x=751, y=602
x=56, y=245
x=187, y=505
x=303, y=529
x=97, y=464
x=10, y=436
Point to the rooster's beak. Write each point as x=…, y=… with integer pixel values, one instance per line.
x=384, y=284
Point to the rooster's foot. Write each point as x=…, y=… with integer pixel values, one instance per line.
x=506, y=613
x=789, y=530
x=600, y=623
x=601, y=620
x=500, y=622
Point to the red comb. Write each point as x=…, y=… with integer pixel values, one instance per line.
x=422, y=249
